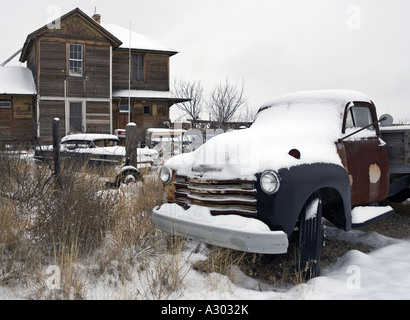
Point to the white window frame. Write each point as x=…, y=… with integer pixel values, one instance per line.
x=4, y=106
x=138, y=67
x=83, y=115
x=150, y=109
x=124, y=110
x=80, y=71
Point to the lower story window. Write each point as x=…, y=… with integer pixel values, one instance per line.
x=147, y=110
x=76, y=117
x=5, y=104
x=124, y=108
x=161, y=111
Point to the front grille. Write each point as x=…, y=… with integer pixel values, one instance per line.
x=222, y=197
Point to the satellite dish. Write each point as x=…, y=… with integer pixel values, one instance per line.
x=386, y=120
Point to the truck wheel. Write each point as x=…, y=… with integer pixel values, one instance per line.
x=127, y=177
x=401, y=196
x=311, y=237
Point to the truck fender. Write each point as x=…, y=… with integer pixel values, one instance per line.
x=282, y=210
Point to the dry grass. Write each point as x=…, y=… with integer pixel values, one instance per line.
x=62, y=221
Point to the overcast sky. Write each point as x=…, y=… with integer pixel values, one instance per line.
x=274, y=46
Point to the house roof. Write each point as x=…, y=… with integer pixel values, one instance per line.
x=136, y=41
x=32, y=37
x=119, y=36
x=17, y=81
x=149, y=95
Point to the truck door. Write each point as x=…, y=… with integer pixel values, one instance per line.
x=364, y=155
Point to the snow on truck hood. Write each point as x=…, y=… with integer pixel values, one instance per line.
x=308, y=121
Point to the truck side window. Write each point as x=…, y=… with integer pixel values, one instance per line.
x=359, y=117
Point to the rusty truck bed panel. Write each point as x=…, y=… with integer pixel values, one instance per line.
x=398, y=148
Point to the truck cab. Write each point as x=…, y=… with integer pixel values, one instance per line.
x=365, y=158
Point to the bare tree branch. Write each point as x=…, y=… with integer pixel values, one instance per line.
x=192, y=90
x=225, y=100
x=247, y=115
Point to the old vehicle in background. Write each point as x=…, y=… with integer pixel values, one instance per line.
x=168, y=142
x=101, y=150
x=307, y=155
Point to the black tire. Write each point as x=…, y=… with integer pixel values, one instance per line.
x=311, y=237
x=401, y=196
x=126, y=177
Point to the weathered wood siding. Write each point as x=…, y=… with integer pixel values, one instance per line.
x=156, y=71
x=17, y=122
x=98, y=117
x=49, y=61
x=52, y=68
x=48, y=111
x=95, y=81
x=143, y=122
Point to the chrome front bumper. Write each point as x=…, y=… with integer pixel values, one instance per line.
x=168, y=218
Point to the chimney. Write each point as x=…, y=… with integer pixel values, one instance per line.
x=97, y=17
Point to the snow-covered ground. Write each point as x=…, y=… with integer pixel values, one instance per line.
x=381, y=274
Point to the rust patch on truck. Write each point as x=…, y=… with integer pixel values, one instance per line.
x=374, y=173
x=170, y=189
x=365, y=161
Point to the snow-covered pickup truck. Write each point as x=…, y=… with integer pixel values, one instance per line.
x=307, y=155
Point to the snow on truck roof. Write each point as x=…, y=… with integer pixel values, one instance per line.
x=333, y=97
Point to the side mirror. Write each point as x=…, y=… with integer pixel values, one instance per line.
x=386, y=120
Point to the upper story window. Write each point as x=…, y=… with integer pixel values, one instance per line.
x=76, y=59
x=5, y=104
x=138, y=67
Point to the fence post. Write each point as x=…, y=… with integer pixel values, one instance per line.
x=131, y=144
x=56, y=149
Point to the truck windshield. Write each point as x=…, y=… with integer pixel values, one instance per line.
x=359, y=117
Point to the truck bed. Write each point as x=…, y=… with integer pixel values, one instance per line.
x=398, y=148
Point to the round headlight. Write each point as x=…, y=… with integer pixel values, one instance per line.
x=165, y=175
x=270, y=182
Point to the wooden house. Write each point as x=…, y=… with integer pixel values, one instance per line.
x=17, y=100
x=94, y=80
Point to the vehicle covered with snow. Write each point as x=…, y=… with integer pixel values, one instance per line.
x=97, y=149
x=307, y=155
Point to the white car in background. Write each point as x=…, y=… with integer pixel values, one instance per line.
x=99, y=149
